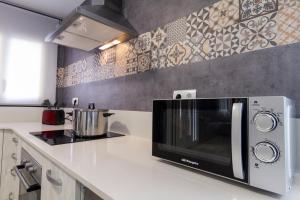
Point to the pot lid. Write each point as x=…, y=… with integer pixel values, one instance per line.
x=90, y=110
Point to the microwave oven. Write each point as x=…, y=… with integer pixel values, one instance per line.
x=247, y=139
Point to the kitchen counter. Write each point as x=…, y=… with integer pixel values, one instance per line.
x=122, y=168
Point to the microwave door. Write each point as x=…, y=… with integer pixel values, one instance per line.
x=199, y=133
x=236, y=141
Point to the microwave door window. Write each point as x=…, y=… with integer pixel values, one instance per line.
x=198, y=129
x=184, y=121
x=215, y=132
x=167, y=118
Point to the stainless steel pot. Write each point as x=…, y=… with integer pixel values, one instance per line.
x=90, y=122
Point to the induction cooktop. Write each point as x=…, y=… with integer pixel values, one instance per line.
x=67, y=136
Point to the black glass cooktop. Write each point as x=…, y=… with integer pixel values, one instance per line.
x=68, y=136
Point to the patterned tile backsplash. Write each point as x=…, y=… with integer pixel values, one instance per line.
x=225, y=28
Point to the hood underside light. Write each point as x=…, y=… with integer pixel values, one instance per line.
x=110, y=44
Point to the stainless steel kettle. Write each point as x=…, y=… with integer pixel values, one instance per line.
x=90, y=122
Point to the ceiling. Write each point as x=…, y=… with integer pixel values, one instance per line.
x=55, y=8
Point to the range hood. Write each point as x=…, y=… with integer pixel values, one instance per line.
x=93, y=24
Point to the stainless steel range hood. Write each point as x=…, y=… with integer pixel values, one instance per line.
x=94, y=23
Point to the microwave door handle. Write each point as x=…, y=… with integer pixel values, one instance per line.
x=236, y=140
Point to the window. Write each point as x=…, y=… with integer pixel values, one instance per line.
x=23, y=66
x=27, y=63
x=1, y=63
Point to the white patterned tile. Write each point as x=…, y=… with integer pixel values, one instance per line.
x=258, y=33
x=223, y=13
x=178, y=54
x=225, y=42
x=254, y=8
x=176, y=31
x=144, y=61
x=143, y=43
x=158, y=38
x=289, y=25
x=158, y=58
x=198, y=23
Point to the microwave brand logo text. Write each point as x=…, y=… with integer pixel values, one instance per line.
x=189, y=161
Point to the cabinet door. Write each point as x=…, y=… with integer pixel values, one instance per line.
x=56, y=184
x=11, y=157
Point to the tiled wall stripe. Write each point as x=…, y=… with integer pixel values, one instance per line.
x=225, y=28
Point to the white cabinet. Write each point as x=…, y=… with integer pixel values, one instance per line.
x=9, y=189
x=56, y=184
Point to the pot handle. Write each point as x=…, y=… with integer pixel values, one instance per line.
x=92, y=106
x=108, y=114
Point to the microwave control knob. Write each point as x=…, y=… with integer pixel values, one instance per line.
x=265, y=122
x=266, y=152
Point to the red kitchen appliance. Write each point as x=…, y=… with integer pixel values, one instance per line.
x=53, y=117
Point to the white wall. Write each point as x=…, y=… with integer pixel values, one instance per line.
x=21, y=114
x=132, y=123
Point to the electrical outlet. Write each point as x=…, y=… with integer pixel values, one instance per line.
x=184, y=94
x=75, y=99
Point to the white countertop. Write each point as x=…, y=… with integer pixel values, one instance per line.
x=122, y=168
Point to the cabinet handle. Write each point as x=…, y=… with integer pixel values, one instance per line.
x=56, y=182
x=12, y=172
x=14, y=156
x=15, y=140
x=11, y=196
